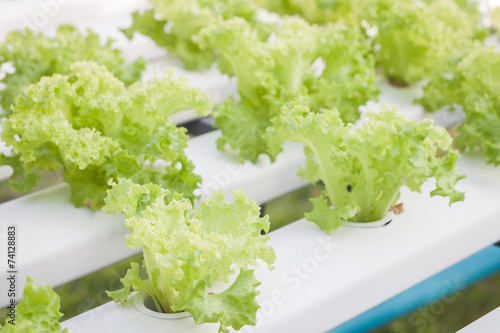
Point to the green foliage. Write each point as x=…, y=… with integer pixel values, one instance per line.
x=473, y=83
x=90, y=126
x=364, y=169
x=186, y=251
x=275, y=71
x=416, y=37
x=38, y=311
x=34, y=56
x=172, y=24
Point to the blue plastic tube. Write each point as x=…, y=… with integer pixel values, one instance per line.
x=443, y=287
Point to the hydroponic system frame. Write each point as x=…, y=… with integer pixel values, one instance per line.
x=320, y=281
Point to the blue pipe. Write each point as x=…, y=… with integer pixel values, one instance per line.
x=444, y=286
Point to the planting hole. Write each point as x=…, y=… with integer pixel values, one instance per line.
x=145, y=304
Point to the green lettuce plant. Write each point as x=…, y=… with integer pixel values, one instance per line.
x=473, y=83
x=91, y=127
x=271, y=72
x=186, y=250
x=33, y=56
x=38, y=311
x=364, y=168
x=416, y=37
x=171, y=24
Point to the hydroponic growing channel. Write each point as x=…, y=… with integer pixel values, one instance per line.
x=285, y=94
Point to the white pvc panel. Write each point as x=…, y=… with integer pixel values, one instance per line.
x=262, y=181
x=489, y=323
x=321, y=281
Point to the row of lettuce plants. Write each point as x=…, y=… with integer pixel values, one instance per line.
x=73, y=104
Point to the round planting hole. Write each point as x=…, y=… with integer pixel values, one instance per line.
x=144, y=303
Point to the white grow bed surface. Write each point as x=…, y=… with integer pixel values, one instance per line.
x=489, y=323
